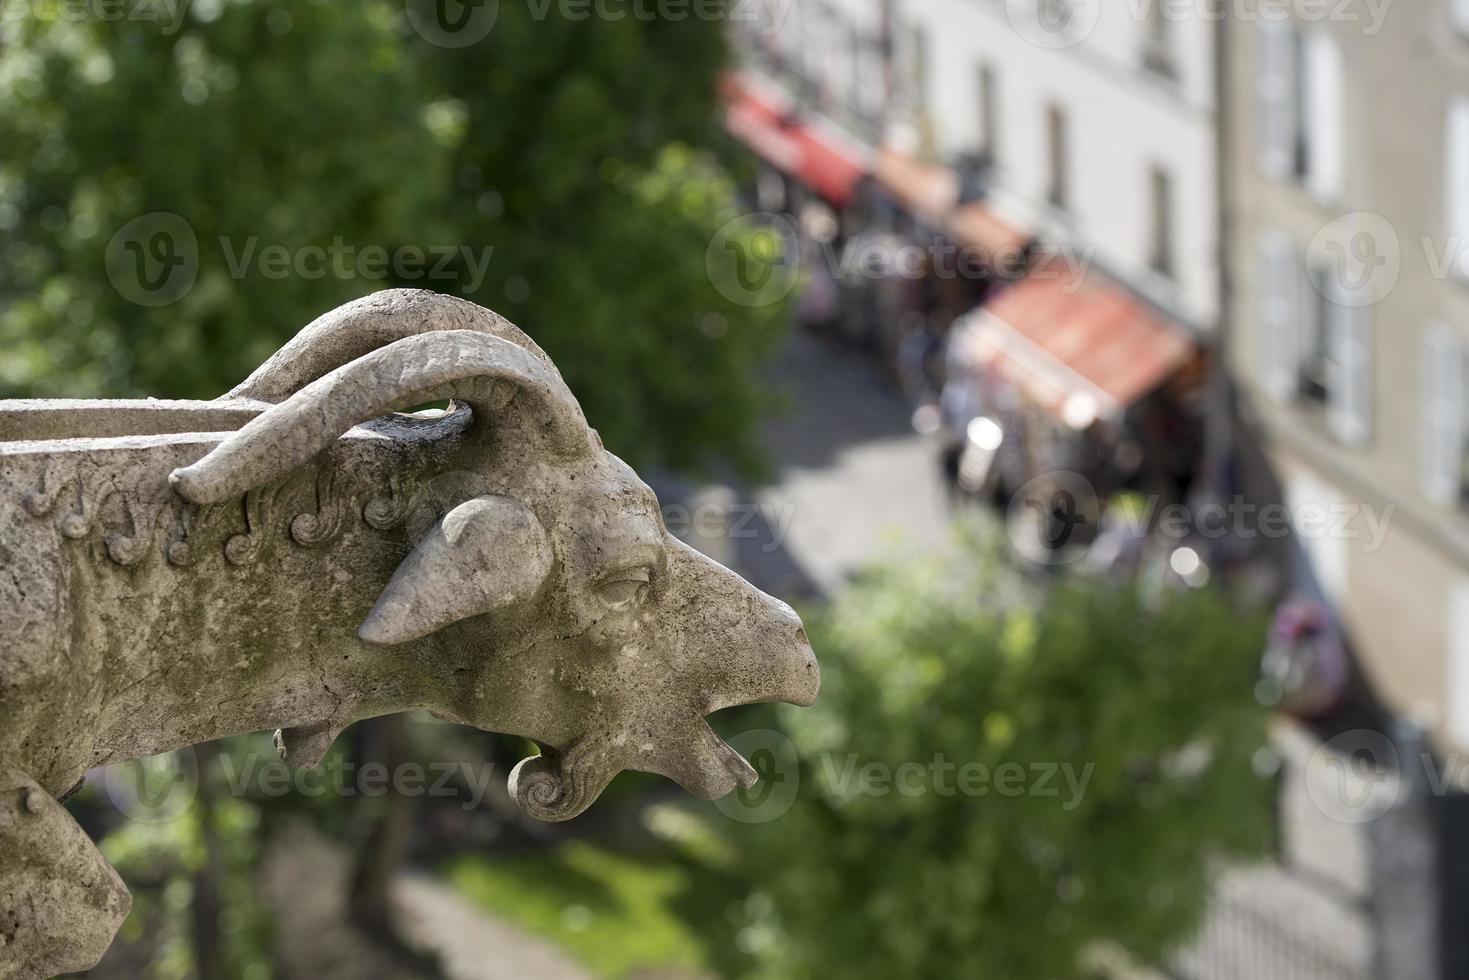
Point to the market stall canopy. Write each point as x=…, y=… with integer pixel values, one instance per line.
x=1079, y=346
x=975, y=225
x=925, y=190
x=931, y=192
x=804, y=146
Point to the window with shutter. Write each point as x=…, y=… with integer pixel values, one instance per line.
x=918, y=55
x=1157, y=40
x=1277, y=345
x=1349, y=371
x=1325, y=80
x=1456, y=661
x=1275, y=98
x=988, y=110
x=1442, y=380
x=1160, y=186
x=1314, y=358
x=1058, y=184
x=1456, y=180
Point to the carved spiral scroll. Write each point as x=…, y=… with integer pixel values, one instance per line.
x=386, y=512
x=312, y=529
x=558, y=786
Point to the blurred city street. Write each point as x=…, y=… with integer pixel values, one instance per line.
x=855, y=483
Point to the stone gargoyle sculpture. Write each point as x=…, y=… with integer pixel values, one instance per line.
x=301, y=553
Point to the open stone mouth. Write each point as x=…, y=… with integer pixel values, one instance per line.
x=738, y=766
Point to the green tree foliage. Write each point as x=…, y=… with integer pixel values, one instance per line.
x=551, y=161
x=1147, y=700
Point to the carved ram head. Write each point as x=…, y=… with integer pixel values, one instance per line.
x=551, y=598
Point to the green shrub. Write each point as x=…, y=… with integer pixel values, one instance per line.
x=1147, y=704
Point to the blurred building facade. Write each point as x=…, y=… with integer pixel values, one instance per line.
x=1348, y=186
x=1095, y=130
x=1347, y=190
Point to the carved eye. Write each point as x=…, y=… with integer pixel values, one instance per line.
x=626, y=587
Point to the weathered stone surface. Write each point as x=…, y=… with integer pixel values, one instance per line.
x=296, y=556
x=60, y=901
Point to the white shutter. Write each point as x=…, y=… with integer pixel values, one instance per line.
x=1275, y=103
x=1456, y=665
x=1305, y=494
x=1442, y=378
x=1277, y=345
x=1456, y=181
x=1349, y=373
x=1325, y=120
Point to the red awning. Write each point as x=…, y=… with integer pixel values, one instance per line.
x=924, y=189
x=931, y=191
x=975, y=225
x=808, y=149
x=1082, y=347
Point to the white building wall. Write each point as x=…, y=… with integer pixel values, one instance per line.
x=1122, y=120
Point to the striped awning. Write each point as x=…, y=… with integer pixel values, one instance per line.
x=1080, y=346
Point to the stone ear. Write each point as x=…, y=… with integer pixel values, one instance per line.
x=487, y=553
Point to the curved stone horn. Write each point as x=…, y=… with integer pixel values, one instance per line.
x=487, y=553
x=461, y=364
x=364, y=325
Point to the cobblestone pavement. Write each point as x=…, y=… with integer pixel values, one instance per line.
x=853, y=482
x=1303, y=917
x=307, y=874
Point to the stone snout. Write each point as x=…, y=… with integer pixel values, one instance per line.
x=607, y=644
